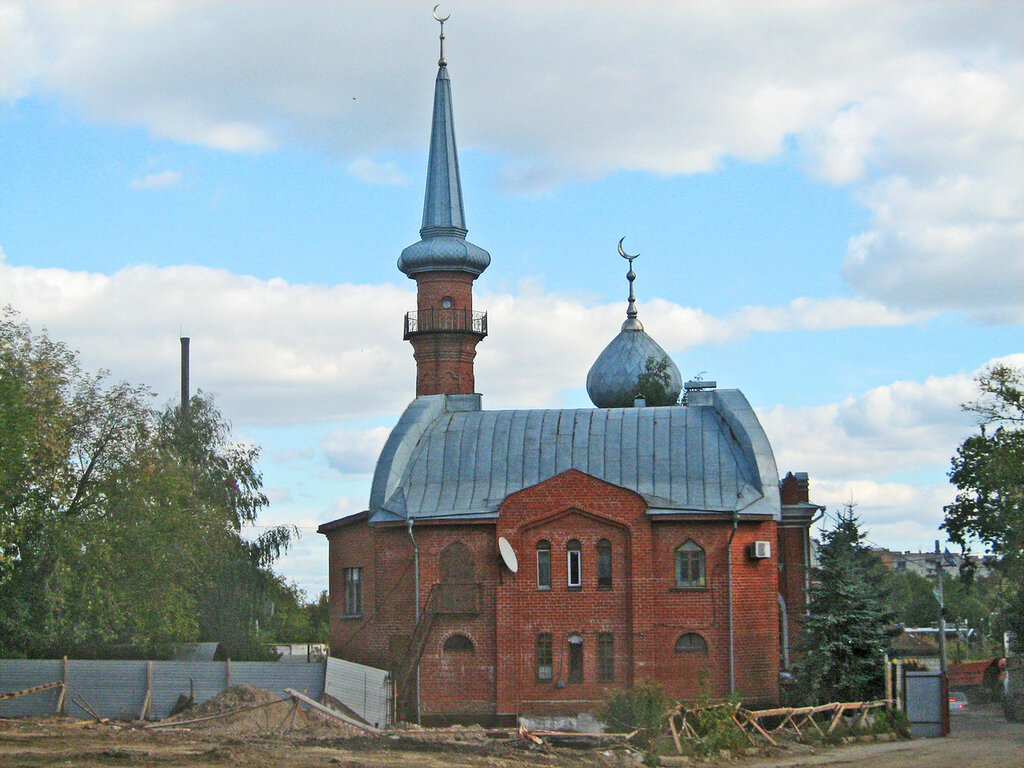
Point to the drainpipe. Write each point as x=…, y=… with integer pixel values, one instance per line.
x=784, y=609
x=728, y=576
x=416, y=605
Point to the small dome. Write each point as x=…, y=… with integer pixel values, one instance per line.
x=633, y=363
x=444, y=252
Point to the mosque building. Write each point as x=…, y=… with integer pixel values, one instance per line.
x=525, y=562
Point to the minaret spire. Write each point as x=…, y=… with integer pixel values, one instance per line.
x=443, y=245
x=444, y=330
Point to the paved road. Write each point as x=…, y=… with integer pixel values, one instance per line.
x=980, y=738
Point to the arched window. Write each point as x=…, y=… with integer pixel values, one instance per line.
x=543, y=564
x=691, y=642
x=690, y=565
x=604, y=564
x=458, y=643
x=456, y=562
x=575, y=659
x=574, y=563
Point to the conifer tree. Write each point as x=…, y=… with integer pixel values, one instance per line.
x=848, y=629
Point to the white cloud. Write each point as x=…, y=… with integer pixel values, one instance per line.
x=857, y=450
x=383, y=173
x=897, y=516
x=354, y=451
x=914, y=105
x=161, y=180
x=280, y=353
x=898, y=427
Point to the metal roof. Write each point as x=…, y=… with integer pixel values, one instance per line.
x=448, y=458
x=443, y=245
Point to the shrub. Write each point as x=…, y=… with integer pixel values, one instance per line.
x=642, y=708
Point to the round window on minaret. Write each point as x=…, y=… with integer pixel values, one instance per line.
x=447, y=302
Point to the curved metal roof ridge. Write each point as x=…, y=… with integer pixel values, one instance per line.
x=448, y=458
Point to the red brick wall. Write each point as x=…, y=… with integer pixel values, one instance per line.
x=462, y=682
x=792, y=576
x=444, y=361
x=432, y=287
x=644, y=610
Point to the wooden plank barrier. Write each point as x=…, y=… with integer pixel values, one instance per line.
x=33, y=689
x=794, y=720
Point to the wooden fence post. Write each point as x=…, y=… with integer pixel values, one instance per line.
x=227, y=678
x=63, y=696
x=147, y=702
x=888, y=681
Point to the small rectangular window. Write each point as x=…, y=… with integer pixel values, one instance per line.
x=574, y=569
x=543, y=566
x=543, y=655
x=604, y=564
x=605, y=658
x=575, y=659
x=353, y=591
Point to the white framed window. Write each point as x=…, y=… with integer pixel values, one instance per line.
x=574, y=564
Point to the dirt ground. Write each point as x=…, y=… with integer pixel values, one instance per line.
x=262, y=739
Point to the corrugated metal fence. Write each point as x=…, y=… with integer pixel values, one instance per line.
x=364, y=690
x=117, y=689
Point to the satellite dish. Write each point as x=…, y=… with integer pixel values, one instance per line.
x=507, y=554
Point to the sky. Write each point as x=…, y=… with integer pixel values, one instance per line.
x=826, y=197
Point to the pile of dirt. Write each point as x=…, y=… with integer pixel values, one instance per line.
x=247, y=710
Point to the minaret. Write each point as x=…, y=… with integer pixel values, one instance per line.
x=444, y=330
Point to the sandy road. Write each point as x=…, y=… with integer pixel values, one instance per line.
x=980, y=738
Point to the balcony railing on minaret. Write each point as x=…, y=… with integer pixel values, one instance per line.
x=445, y=321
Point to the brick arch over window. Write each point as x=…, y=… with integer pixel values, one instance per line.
x=456, y=562
x=458, y=643
x=691, y=642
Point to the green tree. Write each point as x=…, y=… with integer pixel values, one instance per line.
x=116, y=520
x=911, y=598
x=849, y=627
x=653, y=383
x=988, y=472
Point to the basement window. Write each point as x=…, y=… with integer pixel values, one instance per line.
x=458, y=643
x=574, y=564
x=691, y=642
x=353, y=591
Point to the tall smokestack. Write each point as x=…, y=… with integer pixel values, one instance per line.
x=184, y=374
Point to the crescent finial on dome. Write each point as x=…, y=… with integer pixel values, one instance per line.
x=633, y=363
x=632, y=323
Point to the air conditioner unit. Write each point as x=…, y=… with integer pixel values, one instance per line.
x=760, y=550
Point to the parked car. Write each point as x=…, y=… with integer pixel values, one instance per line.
x=957, y=703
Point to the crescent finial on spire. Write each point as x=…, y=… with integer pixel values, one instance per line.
x=632, y=323
x=441, y=61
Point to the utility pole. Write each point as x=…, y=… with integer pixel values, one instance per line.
x=942, y=609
